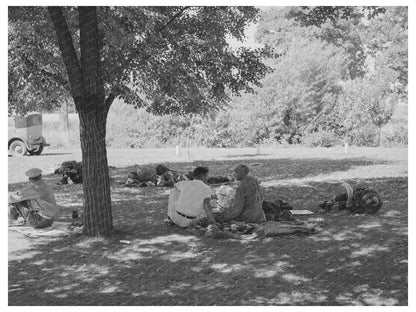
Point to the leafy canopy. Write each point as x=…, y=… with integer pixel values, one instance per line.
x=167, y=59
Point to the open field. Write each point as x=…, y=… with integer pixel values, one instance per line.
x=353, y=260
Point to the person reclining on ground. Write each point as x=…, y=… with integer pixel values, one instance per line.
x=160, y=175
x=247, y=203
x=36, y=203
x=168, y=177
x=70, y=170
x=189, y=200
x=142, y=175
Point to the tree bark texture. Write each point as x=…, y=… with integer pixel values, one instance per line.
x=88, y=93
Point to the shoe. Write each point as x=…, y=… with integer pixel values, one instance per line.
x=168, y=221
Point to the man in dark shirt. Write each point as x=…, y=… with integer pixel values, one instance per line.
x=247, y=204
x=70, y=170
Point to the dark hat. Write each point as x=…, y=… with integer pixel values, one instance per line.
x=33, y=173
x=161, y=169
x=200, y=171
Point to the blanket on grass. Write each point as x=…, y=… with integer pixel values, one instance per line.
x=55, y=230
x=241, y=230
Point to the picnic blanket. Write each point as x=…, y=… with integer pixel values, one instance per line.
x=242, y=230
x=57, y=229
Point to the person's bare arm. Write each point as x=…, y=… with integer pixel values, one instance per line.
x=237, y=206
x=208, y=210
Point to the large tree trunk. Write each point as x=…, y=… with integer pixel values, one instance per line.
x=88, y=93
x=98, y=218
x=93, y=116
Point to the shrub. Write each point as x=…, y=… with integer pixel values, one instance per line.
x=396, y=134
x=364, y=136
x=320, y=138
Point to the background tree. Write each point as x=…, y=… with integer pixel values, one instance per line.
x=314, y=51
x=386, y=43
x=369, y=100
x=167, y=59
x=304, y=85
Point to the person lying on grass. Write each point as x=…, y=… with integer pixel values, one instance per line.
x=190, y=200
x=160, y=175
x=36, y=203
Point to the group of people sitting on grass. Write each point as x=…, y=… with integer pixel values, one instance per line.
x=231, y=209
x=192, y=200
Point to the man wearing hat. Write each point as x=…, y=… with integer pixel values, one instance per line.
x=36, y=203
x=70, y=170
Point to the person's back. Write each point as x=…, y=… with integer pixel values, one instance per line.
x=192, y=194
x=186, y=201
x=39, y=189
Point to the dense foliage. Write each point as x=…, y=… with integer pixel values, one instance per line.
x=167, y=59
x=339, y=74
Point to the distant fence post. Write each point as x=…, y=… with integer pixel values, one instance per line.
x=258, y=150
x=64, y=116
x=64, y=121
x=189, y=133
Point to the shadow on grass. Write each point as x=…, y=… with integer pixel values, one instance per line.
x=52, y=154
x=247, y=155
x=268, y=169
x=353, y=260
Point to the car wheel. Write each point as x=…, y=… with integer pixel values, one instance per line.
x=37, y=150
x=18, y=148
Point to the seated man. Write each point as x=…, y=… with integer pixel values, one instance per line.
x=36, y=203
x=189, y=200
x=70, y=170
x=247, y=204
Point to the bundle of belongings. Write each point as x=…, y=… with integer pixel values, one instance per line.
x=357, y=200
x=70, y=170
x=146, y=175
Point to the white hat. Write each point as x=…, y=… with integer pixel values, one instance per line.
x=33, y=173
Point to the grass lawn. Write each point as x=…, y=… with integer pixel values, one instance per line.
x=353, y=260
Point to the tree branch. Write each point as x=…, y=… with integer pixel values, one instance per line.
x=69, y=55
x=57, y=78
x=109, y=100
x=173, y=18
